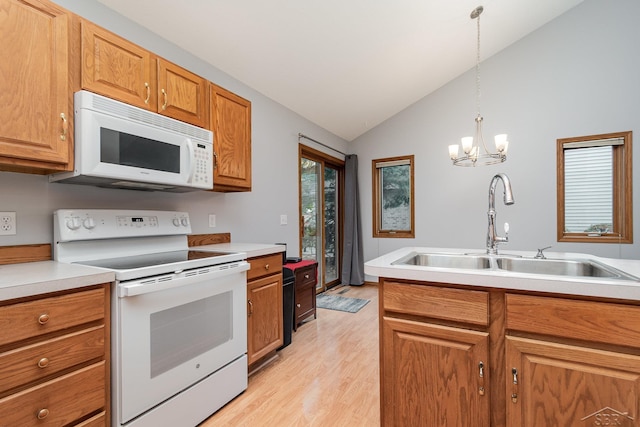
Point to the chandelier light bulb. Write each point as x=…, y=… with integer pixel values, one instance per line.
x=467, y=144
x=453, y=151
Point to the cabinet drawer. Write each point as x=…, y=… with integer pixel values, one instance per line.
x=34, y=318
x=306, y=277
x=58, y=402
x=584, y=320
x=99, y=420
x=31, y=363
x=436, y=302
x=263, y=266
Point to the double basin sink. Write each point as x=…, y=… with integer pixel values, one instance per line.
x=515, y=264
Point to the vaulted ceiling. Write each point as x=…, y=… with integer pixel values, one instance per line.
x=345, y=65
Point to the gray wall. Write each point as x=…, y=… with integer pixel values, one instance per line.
x=578, y=75
x=249, y=217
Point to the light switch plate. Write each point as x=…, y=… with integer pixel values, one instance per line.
x=283, y=219
x=212, y=220
x=7, y=223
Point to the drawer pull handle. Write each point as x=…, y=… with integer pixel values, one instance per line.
x=250, y=307
x=146, y=85
x=43, y=363
x=43, y=319
x=43, y=413
x=266, y=266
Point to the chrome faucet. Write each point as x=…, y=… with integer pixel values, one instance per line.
x=492, y=238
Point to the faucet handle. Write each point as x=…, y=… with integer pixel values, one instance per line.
x=540, y=254
x=506, y=231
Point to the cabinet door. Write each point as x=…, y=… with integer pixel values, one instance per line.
x=35, y=99
x=433, y=375
x=182, y=95
x=551, y=384
x=264, y=316
x=117, y=68
x=231, y=123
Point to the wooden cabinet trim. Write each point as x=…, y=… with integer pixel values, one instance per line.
x=609, y=323
x=437, y=302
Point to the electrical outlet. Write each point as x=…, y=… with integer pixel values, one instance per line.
x=283, y=220
x=212, y=220
x=7, y=223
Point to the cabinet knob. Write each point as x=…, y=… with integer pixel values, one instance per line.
x=306, y=276
x=298, y=305
x=43, y=319
x=266, y=266
x=43, y=413
x=43, y=363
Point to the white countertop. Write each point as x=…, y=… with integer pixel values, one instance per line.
x=34, y=278
x=251, y=249
x=493, y=278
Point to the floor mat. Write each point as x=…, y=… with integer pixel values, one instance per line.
x=336, y=302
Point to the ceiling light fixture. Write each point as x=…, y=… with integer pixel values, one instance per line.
x=472, y=155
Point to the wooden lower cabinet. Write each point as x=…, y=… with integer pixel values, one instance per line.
x=264, y=307
x=547, y=360
x=54, y=359
x=306, y=280
x=553, y=384
x=433, y=375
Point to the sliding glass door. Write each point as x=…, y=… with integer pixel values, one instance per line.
x=321, y=183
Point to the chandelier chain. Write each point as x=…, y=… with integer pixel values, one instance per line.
x=478, y=67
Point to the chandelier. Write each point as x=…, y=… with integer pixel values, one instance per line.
x=475, y=151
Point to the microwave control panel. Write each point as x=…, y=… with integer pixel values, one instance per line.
x=203, y=170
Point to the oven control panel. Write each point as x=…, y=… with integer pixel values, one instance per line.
x=90, y=224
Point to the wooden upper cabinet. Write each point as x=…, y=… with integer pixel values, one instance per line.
x=36, y=110
x=182, y=95
x=231, y=124
x=119, y=69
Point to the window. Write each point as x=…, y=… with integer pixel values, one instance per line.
x=393, y=197
x=594, y=189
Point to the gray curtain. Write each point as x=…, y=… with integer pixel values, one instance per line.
x=352, y=255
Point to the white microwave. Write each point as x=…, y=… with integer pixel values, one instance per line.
x=121, y=146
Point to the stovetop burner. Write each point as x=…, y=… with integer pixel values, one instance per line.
x=150, y=260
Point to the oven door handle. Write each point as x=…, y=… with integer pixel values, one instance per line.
x=179, y=279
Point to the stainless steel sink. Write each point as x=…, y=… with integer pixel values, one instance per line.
x=561, y=267
x=515, y=264
x=474, y=262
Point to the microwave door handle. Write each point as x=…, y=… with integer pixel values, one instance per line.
x=192, y=159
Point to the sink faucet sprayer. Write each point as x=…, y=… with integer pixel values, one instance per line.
x=492, y=238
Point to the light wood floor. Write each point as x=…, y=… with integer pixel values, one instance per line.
x=327, y=376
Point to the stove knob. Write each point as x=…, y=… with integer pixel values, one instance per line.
x=73, y=223
x=185, y=222
x=176, y=222
x=89, y=223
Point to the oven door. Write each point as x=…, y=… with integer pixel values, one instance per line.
x=171, y=331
